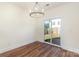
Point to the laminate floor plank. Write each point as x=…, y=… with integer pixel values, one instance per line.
x=39, y=49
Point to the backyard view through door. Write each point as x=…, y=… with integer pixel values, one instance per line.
x=52, y=30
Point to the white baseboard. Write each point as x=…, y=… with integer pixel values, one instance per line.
x=75, y=50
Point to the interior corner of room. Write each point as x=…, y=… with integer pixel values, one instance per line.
x=58, y=25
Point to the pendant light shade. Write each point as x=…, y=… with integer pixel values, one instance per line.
x=37, y=11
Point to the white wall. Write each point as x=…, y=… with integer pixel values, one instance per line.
x=16, y=27
x=39, y=33
x=69, y=14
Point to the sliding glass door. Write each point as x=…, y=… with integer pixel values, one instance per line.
x=52, y=30
x=47, y=31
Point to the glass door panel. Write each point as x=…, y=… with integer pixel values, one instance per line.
x=47, y=28
x=52, y=30
x=55, y=31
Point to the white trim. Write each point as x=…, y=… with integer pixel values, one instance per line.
x=71, y=50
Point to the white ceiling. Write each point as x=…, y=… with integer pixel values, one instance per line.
x=42, y=4
x=29, y=5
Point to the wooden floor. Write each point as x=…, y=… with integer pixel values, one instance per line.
x=39, y=49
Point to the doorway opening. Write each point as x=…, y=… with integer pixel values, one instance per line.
x=52, y=29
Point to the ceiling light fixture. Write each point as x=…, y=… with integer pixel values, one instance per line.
x=37, y=11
